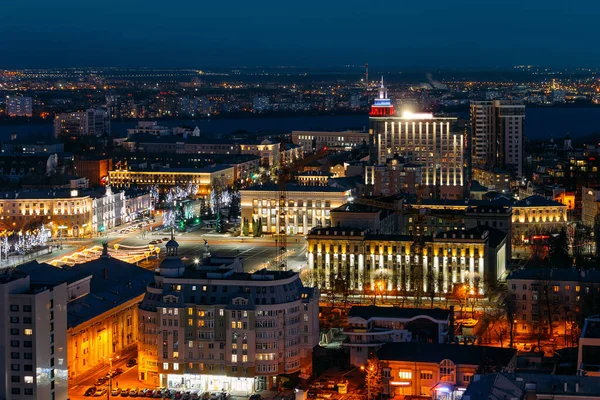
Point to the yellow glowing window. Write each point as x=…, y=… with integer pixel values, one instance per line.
x=28, y=332
x=404, y=374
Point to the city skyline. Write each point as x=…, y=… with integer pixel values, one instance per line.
x=193, y=34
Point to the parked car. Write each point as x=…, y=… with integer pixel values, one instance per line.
x=118, y=371
x=125, y=393
x=153, y=242
x=90, y=391
x=133, y=392
x=165, y=239
x=100, y=392
x=115, y=392
x=101, y=381
x=131, y=362
x=255, y=396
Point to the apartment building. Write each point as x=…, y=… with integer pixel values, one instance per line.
x=590, y=205
x=19, y=106
x=497, y=130
x=102, y=296
x=371, y=327
x=94, y=122
x=551, y=301
x=33, y=320
x=214, y=327
x=305, y=207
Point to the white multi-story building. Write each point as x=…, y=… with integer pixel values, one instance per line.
x=33, y=351
x=108, y=210
x=95, y=122
x=305, y=207
x=497, y=134
x=215, y=327
x=19, y=106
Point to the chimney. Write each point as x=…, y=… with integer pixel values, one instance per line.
x=105, y=273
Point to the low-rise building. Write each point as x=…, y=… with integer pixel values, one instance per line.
x=94, y=168
x=371, y=327
x=305, y=207
x=267, y=150
x=495, y=179
x=17, y=168
x=437, y=371
x=166, y=178
x=396, y=176
x=32, y=146
x=214, y=327
x=363, y=216
x=108, y=209
x=138, y=204
x=314, y=141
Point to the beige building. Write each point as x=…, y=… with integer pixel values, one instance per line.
x=590, y=205
x=268, y=151
x=166, y=178
x=389, y=265
x=65, y=212
x=214, y=327
x=306, y=207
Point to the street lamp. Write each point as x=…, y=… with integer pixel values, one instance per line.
x=108, y=392
x=60, y=229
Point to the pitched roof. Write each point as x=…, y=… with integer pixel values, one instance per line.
x=436, y=353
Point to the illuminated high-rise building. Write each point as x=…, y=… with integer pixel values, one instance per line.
x=421, y=138
x=497, y=135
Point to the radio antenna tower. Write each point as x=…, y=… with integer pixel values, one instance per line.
x=367, y=76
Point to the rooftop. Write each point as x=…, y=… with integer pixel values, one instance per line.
x=368, y=312
x=293, y=187
x=436, y=353
x=113, y=282
x=556, y=275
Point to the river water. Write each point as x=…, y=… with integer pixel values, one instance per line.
x=540, y=123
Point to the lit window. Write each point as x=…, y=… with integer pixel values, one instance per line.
x=175, y=367
x=234, y=346
x=239, y=325
x=165, y=366
x=204, y=288
x=28, y=379
x=176, y=311
x=190, y=311
x=164, y=310
x=405, y=374
x=244, y=358
x=175, y=354
x=577, y=288
x=193, y=288
x=178, y=288
x=234, y=358
x=28, y=332
x=556, y=288
x=221, y=312
x=190, y=343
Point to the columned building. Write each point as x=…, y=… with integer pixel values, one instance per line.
x=305, y=207
x=421, y=138
x=214, y=327
x=372, y=264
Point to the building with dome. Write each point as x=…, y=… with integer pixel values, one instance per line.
x=214, y=327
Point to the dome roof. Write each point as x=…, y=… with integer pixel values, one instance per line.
x=172, y=243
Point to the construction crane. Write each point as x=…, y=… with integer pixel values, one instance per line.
x=284, y=175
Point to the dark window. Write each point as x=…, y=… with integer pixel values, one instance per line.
x=15, y=356
x=14, y=320
x=26, y=320
x=14, y=331
x=15, y=391
x=27, y=367
x=15, y=367
x=27, y=308
x=15, y=379
x=14, y=307
x=29, y=391
x=14, y=343
x=27, y=343
x=27, y=356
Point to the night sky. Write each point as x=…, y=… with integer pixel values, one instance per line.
x=205, y=33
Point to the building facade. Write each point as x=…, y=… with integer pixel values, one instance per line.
x=395, y=176
x=366, y=264
x=34, y=348
x=590, y=205
x=65, y=212
x=214, y=327
x=166, y=178
x=108, y=209
x=370, y=327
x=314, y=141
x=95, y=169
x=305, y=207
x=497, y=129
x=94, y=122
x=19, y=106
x=437, y=371
x=494, y=179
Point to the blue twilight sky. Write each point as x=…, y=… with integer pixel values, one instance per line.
x=201, y=33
